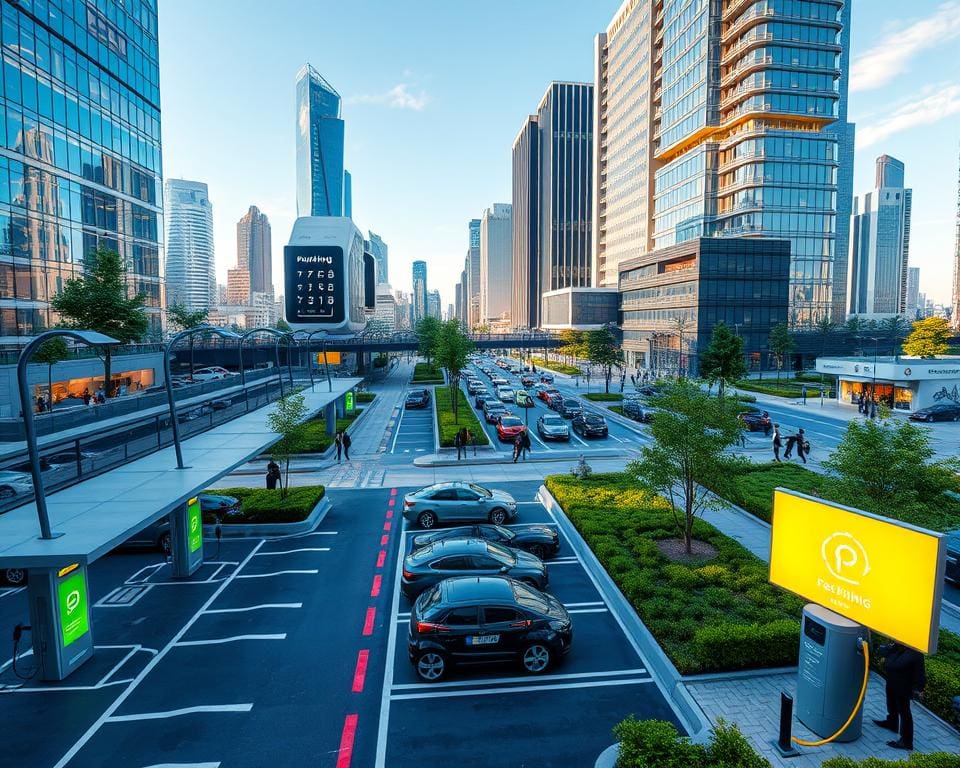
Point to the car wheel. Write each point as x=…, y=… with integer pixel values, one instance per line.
x=498, y=516
x=15, y=576
x=431, y=666
x=930, y=419
x=427, y=520
x=538, y=550
x=6, y=492
x=166, y=543
x=536, y=658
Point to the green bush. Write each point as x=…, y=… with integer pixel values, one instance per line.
x=617, y=409
x=366, y=397
x=258, y=505
x=553, y=365
x=447, y=426
x=657, y=744
x=915, y=760
x=425, y=373
x=604, y=397
x=789, y=388
x=738, y=646
x=316, y=439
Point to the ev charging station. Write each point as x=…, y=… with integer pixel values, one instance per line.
x=186, y=538
x=61, y=620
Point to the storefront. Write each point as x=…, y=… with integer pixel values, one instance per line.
x=903, y=384
x=71, y=390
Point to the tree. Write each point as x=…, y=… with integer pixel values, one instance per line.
x=723, y=360
x=691, y=431
x=186, y=319
x=928, y=338
x=287, y=420
x=451, y=350
x=602, y=349
x=781, y=344
x=282, y=325
x=51, y=352
x=427, y=330
x=482, y=329
x=98, y=301
x=573, y=344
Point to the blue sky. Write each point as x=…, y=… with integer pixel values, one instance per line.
x=435, y=92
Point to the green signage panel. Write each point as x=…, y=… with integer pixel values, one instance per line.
x=195, y=525
x=348, y=399
x=74, y=618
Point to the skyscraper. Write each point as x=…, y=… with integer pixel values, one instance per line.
x=473, y=273
x=320, y=144
x=379, y=250
x=419, y=299
x=525, y=303
x=347, y=194
x=433, y=304
x=880, y=243
x=58, y=87
x=191, y=279
x=254, y=250
x=496, y=263
x=913, y=292
x=955, y=316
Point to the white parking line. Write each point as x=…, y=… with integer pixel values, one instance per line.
x=10, y=591
x=275, y=573
x=588, y=610
x=302, y=535
x=234, y=639
x=185, y=765
x=382, y=731
x=255, y=608
x=179, y=712
x=397, y=430
x=519, y=689
x=292, y=551
x=519, y=679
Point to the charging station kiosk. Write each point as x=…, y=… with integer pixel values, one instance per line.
x=186, y=538
x=61, y=621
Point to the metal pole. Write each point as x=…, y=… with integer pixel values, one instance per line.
x=276, y=360
x=170, y=402
x=326, y=365
x=243, y=376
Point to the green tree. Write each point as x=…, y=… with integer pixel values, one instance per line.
x=282, y=325
x=186, y=319
x=691, y=431
x=287, y=420
x=723, y=360
x=481, y=329
x=51, y=352
x=602, y=349
x=781, y=344
x=855, y=324
x=573, y=344
x=427, y=330
x=450, y=350
x=98, y=301
x=928, y=338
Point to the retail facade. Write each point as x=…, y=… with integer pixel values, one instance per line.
x=902, y=383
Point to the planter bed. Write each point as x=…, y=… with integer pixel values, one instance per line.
x=259, y=506
x=447, y=428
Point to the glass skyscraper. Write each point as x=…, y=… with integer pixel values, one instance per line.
x=380, y=252
x=419, y=304
x=255, y=250
x=79, y=152
x=191, y=280
x=320, y=173
x=496, y=263
x=525, y=304
x=472, y=268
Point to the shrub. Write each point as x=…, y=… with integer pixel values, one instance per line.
x=657, y=744
x=316, y=439
x=425, y=373
x=604, y=397
x=739, y=646
x=258, y=505
x=553, y=365
x=366, y=397
x=916, y=760
x=447, y=427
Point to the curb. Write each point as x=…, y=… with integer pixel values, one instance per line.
x=438, y=460
x=608, y=758
x=239, y=531
x=664, y=674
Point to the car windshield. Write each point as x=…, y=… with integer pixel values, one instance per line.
x=510, y=421
x=506, y=533
x=571, y=403
x=479, y=489
x=502, y=554
x=530, y=599
x=553, y=421
x=594, y=419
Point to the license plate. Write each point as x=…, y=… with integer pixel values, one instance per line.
x=483, y=639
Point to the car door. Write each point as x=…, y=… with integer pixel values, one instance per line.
x=463, y=624
x=502, y=630
x=464, y=504
x=447, y=566
x=485, y=565
x=490, y=533
x=445, y=504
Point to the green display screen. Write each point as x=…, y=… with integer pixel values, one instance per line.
x=348, y=399
x=74, y=618
x=194, y=525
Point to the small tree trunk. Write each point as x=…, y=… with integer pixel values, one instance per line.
x=107, y=370
x=285, y=483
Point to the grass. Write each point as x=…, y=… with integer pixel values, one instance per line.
x=317, y=440
x=553, y=365
x=258, y=505
x=447, y=427
x=604, y=397
x=427, y=373
x=617, y=409
x=366, y=397
x=711, y=615
x=789, y=388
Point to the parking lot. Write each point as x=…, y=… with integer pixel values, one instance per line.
x=496, y=715
x=413, y=434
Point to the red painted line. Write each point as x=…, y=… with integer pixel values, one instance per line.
x=360, y=672
x=381, y=558
x=391, y=502
x=387, y=525
x=346, y=741
x=393, y=491
x=384, y=539
x=389, y=513
x=375, y=590
x=368, y=623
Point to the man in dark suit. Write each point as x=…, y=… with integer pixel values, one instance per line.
x=905, y=676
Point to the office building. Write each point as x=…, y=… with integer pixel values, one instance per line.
x=496, y=263
x=347, y=194
x=472, y=267
x=955, y=314
x=726, y=120
x=880, y=244
x=418, y=301
x=913, y=292
x=375, y=246
x=238, y=287
x=433, y=304
x=320, y=145
x=189, y=266
x=386, y=307
x=81, y=162
x=525, y=303
x=404, y=310
x=458, y=301
x=254, y=250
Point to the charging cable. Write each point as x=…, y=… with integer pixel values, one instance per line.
x=865, y=647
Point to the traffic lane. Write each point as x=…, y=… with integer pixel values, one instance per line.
x=413, y=432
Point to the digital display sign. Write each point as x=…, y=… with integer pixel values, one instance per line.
x=195, y=524
x=873, y=570
x=315, y=284
x=72, y=596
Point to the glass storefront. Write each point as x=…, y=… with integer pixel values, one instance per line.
x=70, y=392
x=888, y=393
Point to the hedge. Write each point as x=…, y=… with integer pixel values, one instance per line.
x=712, y=615
x=915, y=760
x=657, y=744
x=553, y=365
x=426, y=373
x=258, y=505
x=604, y=397
x=317, y=440
x=366, y=397
x=788, y=388
x=447, y=427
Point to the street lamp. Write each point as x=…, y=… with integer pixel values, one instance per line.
x=92, y=338
x=189, y=332
x=276, y=353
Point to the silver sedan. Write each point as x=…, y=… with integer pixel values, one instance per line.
x=458, y=502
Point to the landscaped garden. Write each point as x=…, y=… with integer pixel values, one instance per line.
x=554, y=365
x=427, y=373
x=448, y=425
x=259, y=505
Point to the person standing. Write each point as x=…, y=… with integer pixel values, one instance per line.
x=338, y=441
x=801, y=445
x=346, y=445
x=803, y=393
x=41, y=404
x=524, y=443
x=777, y=442
x=273, y=475
x=905, y=676
x=459, y=442
x=86, y=397
x=517, y=446
x=860, y=402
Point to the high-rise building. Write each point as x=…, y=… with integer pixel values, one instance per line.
x=404, y=310
x=386, y=307
x=347, y=194
x=191, y=280
x=254, y=250
x=955, y=315
x=726, y=120
x=320, y=145
x=458, y=301
x=913, y=292
x=433, y=304
x=473, y=273
x=80, y=167
x=525, y=303
x=378, y=249
x=419, y=300
x=496, y=263
x=880, y=244
x=238, y=287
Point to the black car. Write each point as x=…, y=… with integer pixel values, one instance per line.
x=569, y=408
x=554, y=401
x=638, y=411
x=483, y=397
x=428, y=565
x=551, y=427
x=473, y=620
x=755, y=420
x=590, y=425
x=417, y=398
x=940, y=412
x=527, y=380
x=953, y=557
x=539, y=540
x=546, y=378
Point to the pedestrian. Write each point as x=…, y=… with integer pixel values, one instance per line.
x=791, y=441
x=776, y=442
x=273, y=475
x=905, y=676
x=459, y=442
x=346, y=446
x=41, y=404
x=86, y=397
x=801, y=445
x=860, y=402
x=338, y=441
x=766, y=424
x=873, y=407
x=803, y=393
x=517, y=446
x=524, y=443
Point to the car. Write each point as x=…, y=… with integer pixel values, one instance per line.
x=481, y=397
x=547, y=392
x=638, y=411
x=589, y=424
x=211, y=373
x=66, y=458
x=219, y=504
x=554, y=401
x=551, y=427
x=755, y=420
x=494, y=411
x=953, y=556
x=475, y=386
x=155, y=536
x=499, y=381
x=537, y=539
x=458, y=502
x=508, y=427
x=483, y=619
x=523, y=399
x=938, y=412
x=546, y=378
x=570, y=407
x=15, y=484
x=648, y=391
x=417, y=398
x=505, y=394
x=448, y=558
x=527, y=380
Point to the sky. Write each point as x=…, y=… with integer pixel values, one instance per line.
x=435, y=92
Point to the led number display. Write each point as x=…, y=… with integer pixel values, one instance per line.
x=315, y=284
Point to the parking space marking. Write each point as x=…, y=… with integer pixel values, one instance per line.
x=302, y=535
x=560, y=561
x=384, y=722
x=588, y=610
x=368, y=621
x=396, y=432
x=346, y=741
x=520, y=679
x=375, y=589
x=123, y=596
x=360, y=672
x=153, y=568
x=254, y=608
x=293, y=551
x=520, y=689
x=276, y=573
x=10, y=591
x=179, y=712
x=381, y=558
x=185, y=765
x=404, y=616
x=232, y=639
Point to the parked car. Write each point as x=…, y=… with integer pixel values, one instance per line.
x=14, y=484
x=444, y=559
x=570, y=407
x=527, y=380
x=551, y=427
x=210, y=373
x=939, y=412
x=547, y=392
x=508, y=427
x=475, y=386
x=481, y=397
x=540, y=540
x=219, y=504
x=755, y=420
x=493, y=411
x=417, y=398
x=486, y=619
x=554, y=401
x=590, y=425
x=458, y=502
x=648, y=391
x=505, y=394
x=499, y=381
x=546, y=378
x=638, y=411
x=523, y=399
x=953, y=556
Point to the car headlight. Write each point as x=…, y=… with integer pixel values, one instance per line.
x=560, y=626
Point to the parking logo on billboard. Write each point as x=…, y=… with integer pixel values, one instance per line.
x=845, y=557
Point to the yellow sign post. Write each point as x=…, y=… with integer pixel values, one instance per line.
x=878, y=572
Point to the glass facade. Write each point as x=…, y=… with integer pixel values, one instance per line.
x=191, y=279
x=320, y=142
x=419, y=304
x=496, y=263
x=80, y=160
x=525, y=305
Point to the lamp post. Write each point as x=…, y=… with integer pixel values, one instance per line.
x=189, y=332
x=94, y=339
x=276, y=353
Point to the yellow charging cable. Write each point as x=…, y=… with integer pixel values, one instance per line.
x=863, y=692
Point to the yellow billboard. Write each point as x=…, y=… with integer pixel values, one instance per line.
x=333, y=358
x=878, y=572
